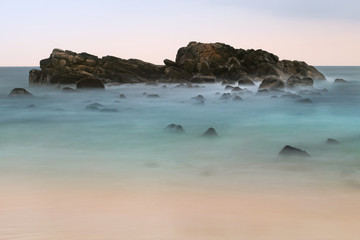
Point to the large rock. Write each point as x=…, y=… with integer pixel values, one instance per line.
x=272, y=82
x=208, y=59
x=90, y=83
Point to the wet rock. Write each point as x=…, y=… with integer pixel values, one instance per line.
x=109, y=110
x=174, y=128
x=340, y=81
x=274, y=96
x=211, y=132
x=228, y=82
x=228, y=87
x=198, y=97
x=203, y=79
x=289, y=151
x=272, y=82
x=236, y=89
x=305, y=100
x=94, y=107
x=153, y=96
x=291, y=95
x=245, y=81
x=90, y=83
x=31, y=106
x=68, y=90
x=122, y=96
x=295, y=81
x=20, y=92
x=332, y=141
x=225, y=96
x=237, y=99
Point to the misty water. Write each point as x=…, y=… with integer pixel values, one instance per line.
x=54, y=136
x=70, y=172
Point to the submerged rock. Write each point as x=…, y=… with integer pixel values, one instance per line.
x=228, y=87
x=90, y=83
x=289, y=151
x=211, y=132
x=174, y=128
x=225, y=96
x=291, y=95
x=20, y=92
x=340, y=80
x=237, y=98
x=153, y=96
x=68, y=90
x=332, y=141
x=109, y=110
x=94, y=107
x=122, y=96
x=236, y=89
x=305, y=100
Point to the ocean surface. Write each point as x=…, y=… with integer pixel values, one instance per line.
x=54, y=150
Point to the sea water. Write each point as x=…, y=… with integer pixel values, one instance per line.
x=53, y=139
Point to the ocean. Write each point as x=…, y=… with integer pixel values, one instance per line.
x=69, y=172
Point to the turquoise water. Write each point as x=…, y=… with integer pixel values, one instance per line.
x=58, y=139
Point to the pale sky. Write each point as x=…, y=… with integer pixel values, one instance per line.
x=318, y=32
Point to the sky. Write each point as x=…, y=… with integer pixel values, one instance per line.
x=318, y=32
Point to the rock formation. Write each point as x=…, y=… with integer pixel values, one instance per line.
x=197, y=62
x=20, y=92
x=289, y=151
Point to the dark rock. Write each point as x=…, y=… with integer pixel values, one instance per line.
x=217, y=59
x=237, y=98
x=272, y=82
x=228, y=87
x=225, y=96
x=211, y=132
x=228, y=82
x=122, y=96
x=332, y=141
x=20, y=92
x=174, y=128
x=263, y=91
x=290, y=95
x=245, y=81
x=198, y=97
x=153, y=96
x=152, y=84
x=203, y=79
x=170, y=63
x=31, y=106
x=340, y=80
x=90, y=83
x=305, y=100
x=274, y=96
x=109, y=110
x=289, y=151
x=236, y=89
x=295, y=81
x=68, y=90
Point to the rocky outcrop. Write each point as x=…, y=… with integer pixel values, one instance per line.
x=197, y=62
x=211, y=132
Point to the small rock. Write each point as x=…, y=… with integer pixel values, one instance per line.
x=289, y=151
x=94, y=107
x=153, y=96
x=340, y=80
x=31, y=106
x=109, y=110
x=332, y=141
x=174, y=128
x=211, y=132
x=245, y=82
x=228, y=82
x=68, y=90
x=290, y=95
x=237, y=98
x=198, y=97
x=151, y=84
x=20, y=92
x=225, y=96
x=236, y=89
x=122, y=96
x=305, y=100
x=228, y=87
x=272, y=82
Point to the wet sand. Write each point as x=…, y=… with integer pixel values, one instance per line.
x=37, y=211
